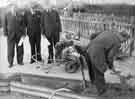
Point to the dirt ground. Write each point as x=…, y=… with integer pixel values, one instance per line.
x=115, y=90
x=17, y=96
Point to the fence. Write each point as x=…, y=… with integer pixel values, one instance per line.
x=85, y=25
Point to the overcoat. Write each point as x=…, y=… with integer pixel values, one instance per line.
x=51, y=25
x=14, y=26
x=103, y=48
x=33, y=23
x=101, y=52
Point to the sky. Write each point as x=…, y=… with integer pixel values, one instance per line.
x=4, y=2
x=108, y=1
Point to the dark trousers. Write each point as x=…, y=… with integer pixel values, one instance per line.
x=90, y=69
x=83, y=51
x=51, y=50
x=53, y=42
x=97, y=57
x=35, y=47
x=99, y=79
x=131, y=47
x=19, y=49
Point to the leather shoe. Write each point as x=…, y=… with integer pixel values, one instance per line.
x=110, y=93
x=11, y=65
x=21, y=63
x=49, y=62
x=101, y=92
x=39, y=59
x=31, y=62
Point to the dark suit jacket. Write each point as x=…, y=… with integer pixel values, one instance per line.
x=14, y=26
x=33, y=23
x=103, y=48
x=51, y=25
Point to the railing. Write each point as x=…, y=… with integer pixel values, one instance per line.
x=84, y=27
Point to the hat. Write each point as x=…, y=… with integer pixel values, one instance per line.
x=123, y=36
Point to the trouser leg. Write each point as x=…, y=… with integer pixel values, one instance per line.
x=55, y=40
x=50, y=47
x=90, y=69
x=32, y=44
x=10, y=50
x=99, y=65
x=38, y=48
x=99, y=80
x=20, y=53
x=56, y=37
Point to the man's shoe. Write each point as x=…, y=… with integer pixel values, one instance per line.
x=49, y=62
x=40, y=60
x=11, y=65
x=21, y=63
x=110, y=93
x=101, y=91
x=31, y=62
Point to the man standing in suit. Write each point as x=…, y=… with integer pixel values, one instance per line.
x=51, y=28
x=101, y=51
x=34, y=32
x=14, y=29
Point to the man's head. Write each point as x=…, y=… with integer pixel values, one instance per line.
x=13, y=8
x=94, y=35
x=123, y=36
x=46, y=4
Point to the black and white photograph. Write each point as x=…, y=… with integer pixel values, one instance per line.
x=67, y=49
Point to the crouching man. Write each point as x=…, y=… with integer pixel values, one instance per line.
x=101, y=52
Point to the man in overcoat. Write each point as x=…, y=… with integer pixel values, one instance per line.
x=101, y=52
x=51, y=28
x=14, y=30
x=33, y=17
